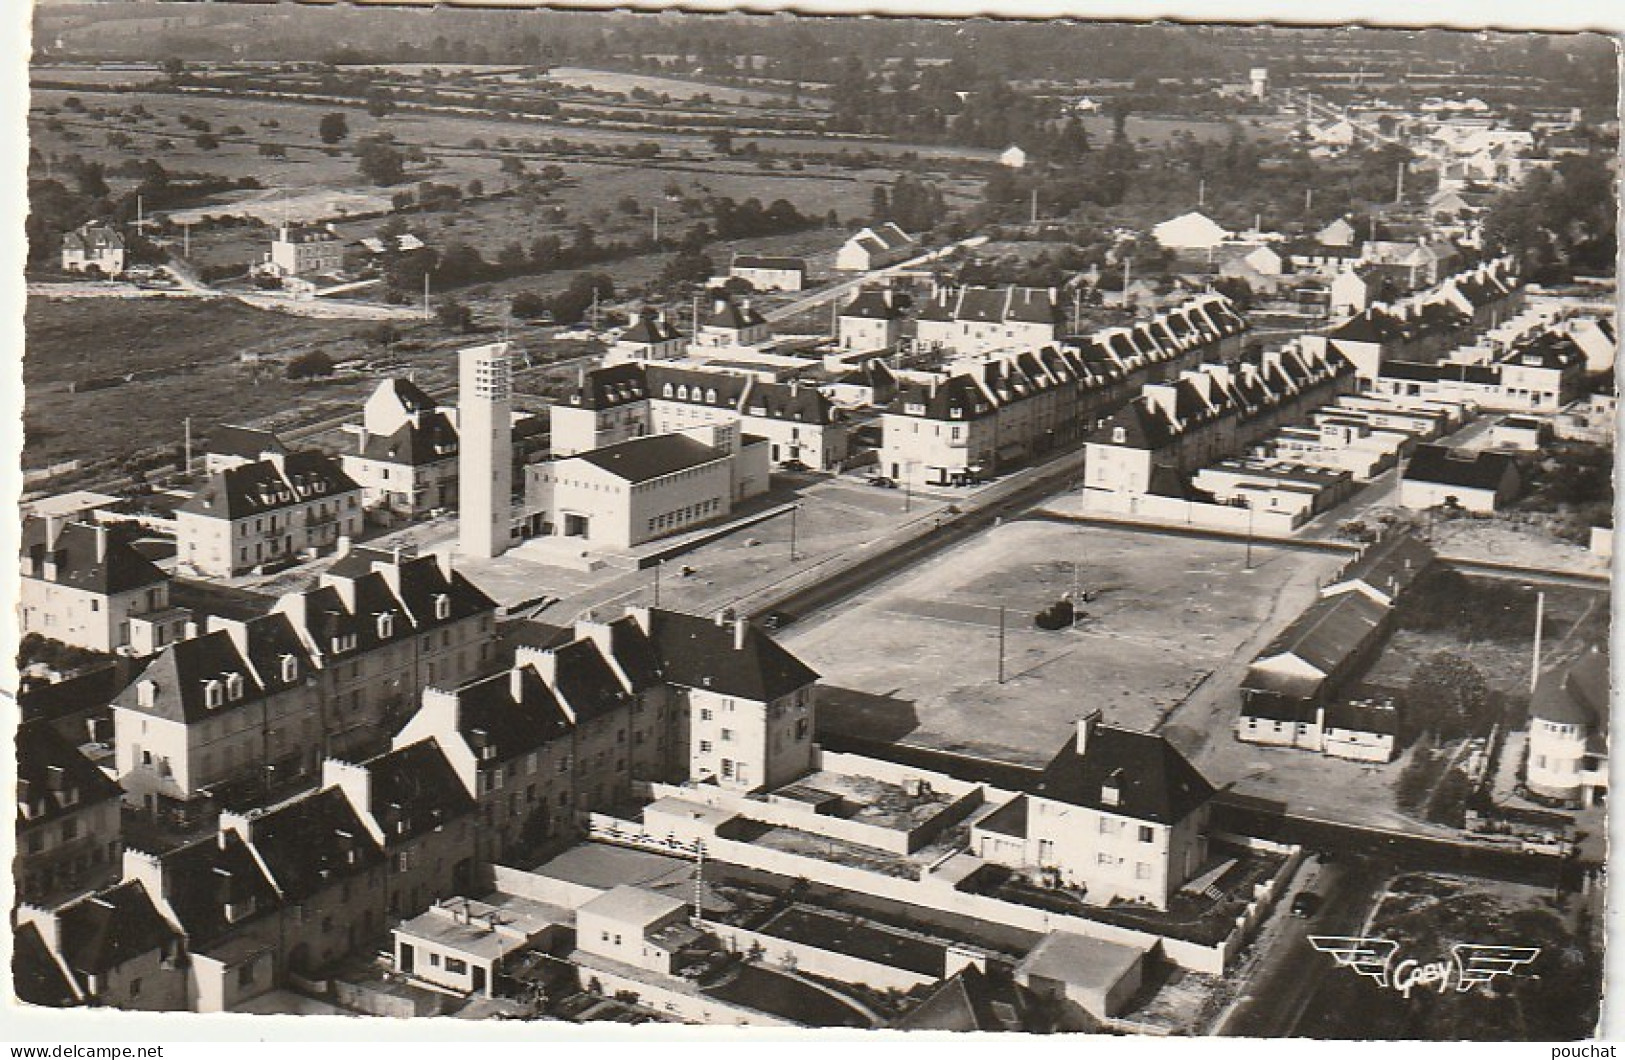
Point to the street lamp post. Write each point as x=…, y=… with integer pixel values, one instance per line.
x=794, y=509
x=1249, y=537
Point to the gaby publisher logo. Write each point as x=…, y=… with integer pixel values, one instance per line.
x=1469, y=965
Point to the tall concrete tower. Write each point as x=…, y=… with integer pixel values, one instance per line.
x=485, y=450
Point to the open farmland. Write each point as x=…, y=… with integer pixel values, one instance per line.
x=676, y=88
x=917, y=658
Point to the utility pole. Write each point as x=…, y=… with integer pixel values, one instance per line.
x=656, y=232
x=1249, y=537
x=188, y=468
x=699, y=878
x=1540, y=623
x=1001, y=645
x=794, y=508
x=186, y=240
x=1128, y=270
x=1035, y=206
x=658, y=564
x=1201, y=192
x=425, y=294
x=1399, y=191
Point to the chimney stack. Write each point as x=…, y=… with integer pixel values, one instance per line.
x=516, y=684
x=101, y=543
x=1086, y=728
x=739, y=634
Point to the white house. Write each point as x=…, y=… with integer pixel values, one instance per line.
x=1013, y=157
x=305, y=250
x=1477, y=480
x=1568, y=732
x=1190, y=231
x=767, y=273
x=93, y=248
x=874, y=248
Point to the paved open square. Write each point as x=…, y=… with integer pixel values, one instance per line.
x=917, y=658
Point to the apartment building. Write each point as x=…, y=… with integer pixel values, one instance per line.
x=247, y=707
x=274, y=510
x=1155, y=443
x=994, y=411
x=84, y=583
x=405, y=458
x=621, y=402
x=1120, y=814
x=970, y=321
x=67, y=819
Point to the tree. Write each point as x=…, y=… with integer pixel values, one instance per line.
x=174, y=67
x=528, y=305
x=687, y=266
x=333, y=128
x=310, y=365
x=382, y=164
x=1447, y=696
x=206, y=141
x=273, y=151
x=380, y=101
x=455, y=315
x=722, y=142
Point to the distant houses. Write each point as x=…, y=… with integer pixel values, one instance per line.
x=94, y=248
x=874, y=248
x=305, y=250
x=1190, y=231
x=765, y=273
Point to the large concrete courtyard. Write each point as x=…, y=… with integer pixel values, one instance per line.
x=916, y=659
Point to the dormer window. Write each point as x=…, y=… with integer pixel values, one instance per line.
x=711, y=397
x=290, y=668
x=666, y=391
x=442, y=606
x=234, y=687
x=386, y=625
x=1119, y=436
x=214, y=693
x=146, y=693
x=682, y=392
x=343, y=642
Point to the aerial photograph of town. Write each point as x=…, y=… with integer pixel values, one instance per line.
x=775, y=521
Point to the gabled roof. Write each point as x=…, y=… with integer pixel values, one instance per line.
x=306, y=234
x=409, y=395
x=414, y=790
x=652, y=457
x=312, y=843
x=789, y=401
x=974, y=1000
x=35, y=975
x=201, y=879
x=180, y=673
x=488, y=715
x=649, y=329
x=1380, y=718
x=762, y=261
x=261, y=487
x=635, y=654
x=249, y=443
x=53, y=779
x=93, y=238
x=696, y=652
x=734, y=316
x=430, y=440
x=112, y=927
x=86, y=692
x=696, y=386
x=119, y=568
x=955, y=398
x=1326, y=634
x=871, y=304
x=586, y=682
x=1153, y=780
x=1470, y=469
x=1390, y=565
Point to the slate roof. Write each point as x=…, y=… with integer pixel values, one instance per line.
x=1576, y=694
x=1328, y=631
x=1443, y=465
x=88, y=692
x=1380, y=718
x=414, y=790
x=697, y=652
x=635, y=654
x=735, y=316
x=250, y=443
x=180, y=672
x=261, y=487
x=1155, y=782
x=762, y=261
x=93, y=238
x=53, y=778
x=789, y=401
x=670, y=384
x=992, y=305
x=870, y=304
x=488, y=715
x=585, y=681
x=956, y=398
x=646, y=459
x=974, y=1000
x=35, y=975
x=649, y=329
x=306, y=234
x=431, y=440
x=308, y=844
x=1390, y=565
x=120, y=569
x=202, y=878
x=112, y=927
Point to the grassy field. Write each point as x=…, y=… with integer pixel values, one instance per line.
x=94, y=337
x=917, y=659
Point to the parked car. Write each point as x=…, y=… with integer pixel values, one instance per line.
x=776, y=620
x=1306, y=904
x=883, y=482
x=794, y=465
